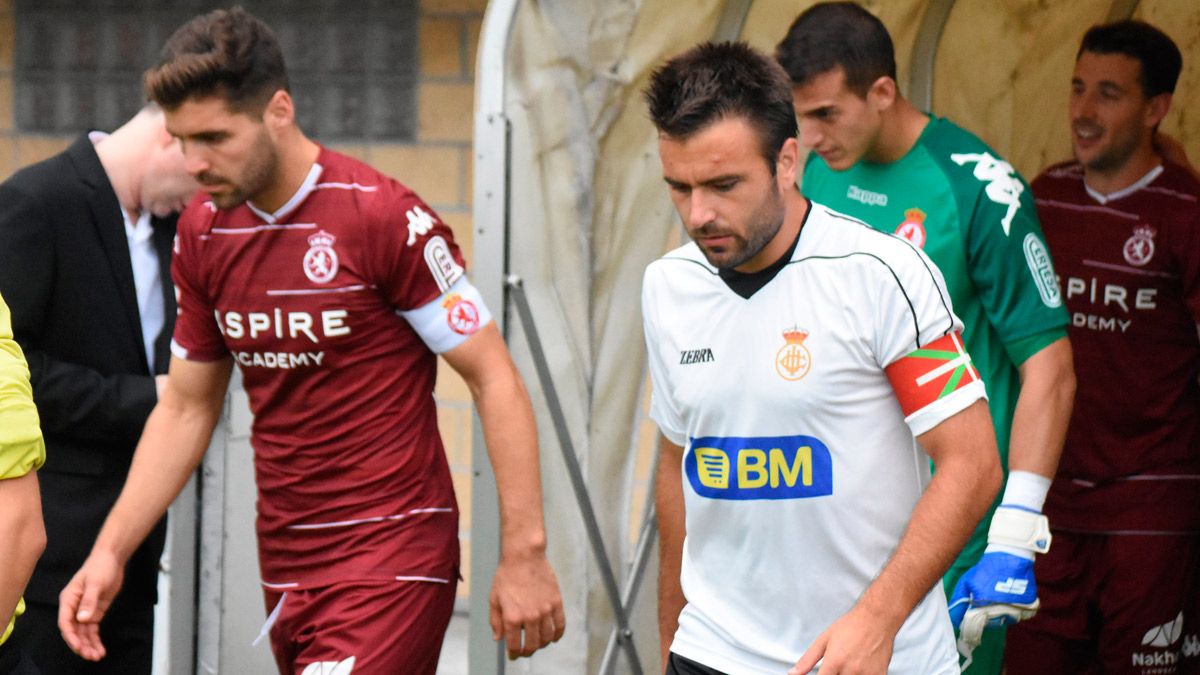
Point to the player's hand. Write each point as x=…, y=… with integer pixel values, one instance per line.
x=83, y=602
x=526, y=607
x=1000, y=589
x=856, y=644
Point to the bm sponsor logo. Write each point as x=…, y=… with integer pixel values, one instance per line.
x=759, y=467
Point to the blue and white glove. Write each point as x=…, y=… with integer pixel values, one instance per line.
x=1000, y=589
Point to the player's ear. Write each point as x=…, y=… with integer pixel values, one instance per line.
x=280, y=110
x=1157, y=109
x=787, y=164
x=882, y=93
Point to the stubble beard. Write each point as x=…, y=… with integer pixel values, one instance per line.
x=761, y=228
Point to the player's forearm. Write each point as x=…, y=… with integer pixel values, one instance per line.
x=24, y=538
x=964, y=484
x=1043, y=410
x=669, y=510
x=510, y=433
x=171, y=447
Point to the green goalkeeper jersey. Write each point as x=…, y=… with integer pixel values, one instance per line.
x=974, y=216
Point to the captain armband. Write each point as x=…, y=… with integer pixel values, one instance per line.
x=926, y=376
x=447, y=321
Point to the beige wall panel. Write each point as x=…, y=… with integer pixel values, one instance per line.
x=444, y=112
x=441, y=47
x=6, y=101
x=6, y=39
x=8, y=155
x=1181, y=21
x=432, y=172
x=32, y=149
x=1003, y=70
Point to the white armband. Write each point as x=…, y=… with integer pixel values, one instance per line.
x=451, y=318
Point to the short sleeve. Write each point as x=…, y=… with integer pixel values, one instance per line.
x=918, y=341
x=22, y=448
x=1008, y=260
x=197, y=335
x=415, y=257
x=663, y=408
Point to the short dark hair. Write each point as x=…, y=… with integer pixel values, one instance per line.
x=228, y=53
x=1159, y=57
x=711, y=82
x=833, y=35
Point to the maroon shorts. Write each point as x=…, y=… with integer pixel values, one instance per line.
x=386, y=627
x=1113, y=604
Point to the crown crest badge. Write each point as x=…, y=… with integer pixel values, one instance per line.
x=321, y=261
x=321, y=239
x=793, y=360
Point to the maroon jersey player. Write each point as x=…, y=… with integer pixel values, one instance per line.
x=1120, y=585
x=332, y=287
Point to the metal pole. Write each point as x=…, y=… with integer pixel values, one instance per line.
x=491, y=217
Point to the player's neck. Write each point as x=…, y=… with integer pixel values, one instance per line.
x=297, y=154
x=1106, y=182
x=899, y=130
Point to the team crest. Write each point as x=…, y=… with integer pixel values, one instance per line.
x=913, y=227
x=321, y=261
x=793, y=359
x=461, y=314
x=1139, y=248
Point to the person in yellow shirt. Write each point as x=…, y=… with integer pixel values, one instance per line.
x=22, y=452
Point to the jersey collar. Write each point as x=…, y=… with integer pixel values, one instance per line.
x=747, y=284
x=1126, y=191
x=302, y=193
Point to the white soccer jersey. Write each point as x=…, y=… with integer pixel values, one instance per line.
x=800, y=472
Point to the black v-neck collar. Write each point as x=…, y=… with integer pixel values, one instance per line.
x=747, y=284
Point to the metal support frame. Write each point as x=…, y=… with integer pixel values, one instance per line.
x=1121, y=10
x=929, y=35
x=491, y=217
x=516, y=293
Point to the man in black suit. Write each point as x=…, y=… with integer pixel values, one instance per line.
x=85, y=245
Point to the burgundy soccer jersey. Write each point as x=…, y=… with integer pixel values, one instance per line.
x=352, y=478
x=1129, y=266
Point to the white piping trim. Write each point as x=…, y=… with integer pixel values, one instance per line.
x=346, y=186
x=1086, y=207
x=317, y=291
x=290, y=584
x=263, y=228
x=1125, y=191
x=1131, y=270
x=361, y=521
x=435, y=580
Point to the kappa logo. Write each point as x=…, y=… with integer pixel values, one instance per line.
x=793, y=360
x=1139, y=248
x=866, y=196
x=1003, y=186
x=1164, y=635
x=321, y=261
x=1012, y=586
x=344, y=667
x=419, y=223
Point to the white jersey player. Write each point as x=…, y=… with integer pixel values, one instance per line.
x=797, y=357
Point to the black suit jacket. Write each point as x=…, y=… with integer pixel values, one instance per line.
x=66, y=275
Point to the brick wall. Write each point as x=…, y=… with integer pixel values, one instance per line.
x=437, y=165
